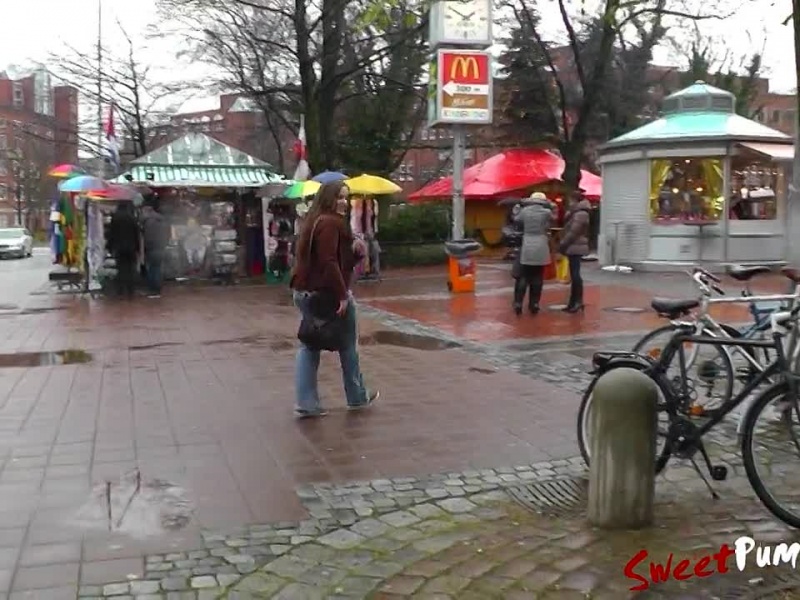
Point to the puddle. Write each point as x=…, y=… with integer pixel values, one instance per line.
x=136, y=506
x=41, y=310
x=153, y=346
x=247, y=339
x=406, y=340
x=45, y=359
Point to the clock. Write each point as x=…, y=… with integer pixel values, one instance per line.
x=461, y=23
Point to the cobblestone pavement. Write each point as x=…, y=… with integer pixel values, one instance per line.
x=193, y=391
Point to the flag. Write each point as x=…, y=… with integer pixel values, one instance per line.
x=302, y=171
x=112, y=147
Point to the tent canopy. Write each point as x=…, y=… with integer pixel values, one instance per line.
x=197, y=160
x=506, y=174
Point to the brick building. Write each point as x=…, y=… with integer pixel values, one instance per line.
x=38, y=129
x=233, y=120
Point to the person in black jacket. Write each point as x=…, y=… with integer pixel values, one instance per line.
x=123, y=243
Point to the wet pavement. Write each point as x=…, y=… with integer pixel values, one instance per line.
x=168, y=461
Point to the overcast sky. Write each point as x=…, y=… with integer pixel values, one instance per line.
x=27, y=35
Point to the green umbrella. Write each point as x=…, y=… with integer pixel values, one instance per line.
x=301, y=189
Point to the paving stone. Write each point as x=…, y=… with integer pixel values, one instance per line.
x=257, y=583
x=295, y=591
x=322, y=576
x=356, y=585
x=227, y=579
x=289, y=566
x=116, y=589
x=400, y=518
x=175, y=584
x=203, y=581
x=144, y=587
x=427, y=511
x=456, y=505
x=370, y=528
x=341, y=539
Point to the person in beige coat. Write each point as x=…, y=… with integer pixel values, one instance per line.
x=535, y=217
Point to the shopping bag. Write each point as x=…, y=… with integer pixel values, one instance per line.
x=562, y=269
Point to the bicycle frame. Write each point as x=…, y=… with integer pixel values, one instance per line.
x=779, y=366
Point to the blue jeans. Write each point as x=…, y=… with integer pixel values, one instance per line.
x=307, y=363
x=153, y=273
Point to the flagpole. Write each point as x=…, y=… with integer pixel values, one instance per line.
x=100, y=161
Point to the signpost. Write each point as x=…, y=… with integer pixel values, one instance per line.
x=460, y=85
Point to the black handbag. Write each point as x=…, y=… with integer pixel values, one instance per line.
x=322, y=329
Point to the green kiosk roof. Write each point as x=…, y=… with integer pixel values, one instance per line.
x=697, y=113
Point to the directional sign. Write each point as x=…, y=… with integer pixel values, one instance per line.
x=464, y=87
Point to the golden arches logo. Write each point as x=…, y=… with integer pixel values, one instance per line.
x=466, y=63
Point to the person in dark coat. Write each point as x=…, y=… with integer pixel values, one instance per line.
x=574, y=245
x=124, y=244
x=535, y=219
x=155, y=234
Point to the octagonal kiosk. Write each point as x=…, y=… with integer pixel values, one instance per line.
x=699, y=185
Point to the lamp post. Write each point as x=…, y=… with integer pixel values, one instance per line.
x=16, y=166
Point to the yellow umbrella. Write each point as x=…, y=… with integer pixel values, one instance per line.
x=371, y=185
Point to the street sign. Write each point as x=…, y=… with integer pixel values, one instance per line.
x=463, y=88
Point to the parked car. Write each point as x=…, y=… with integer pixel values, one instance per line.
x=15, y=242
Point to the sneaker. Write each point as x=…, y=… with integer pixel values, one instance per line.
x=370, y=401
x=310, y=414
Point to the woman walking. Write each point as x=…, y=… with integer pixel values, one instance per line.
x=320, y=282
x=535, y=218
x=575, y=245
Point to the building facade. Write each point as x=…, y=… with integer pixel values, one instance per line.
x=38, y=129
x=231, y=119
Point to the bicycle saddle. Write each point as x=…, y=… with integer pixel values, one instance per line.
x=673, y=308
x=744, y=273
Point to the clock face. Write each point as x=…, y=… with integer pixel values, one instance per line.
x=467, y=20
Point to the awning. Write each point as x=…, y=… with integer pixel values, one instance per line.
x=221, y=176
x=778, y=152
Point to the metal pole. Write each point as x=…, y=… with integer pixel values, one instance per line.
x=100, y=162
x=459, y=143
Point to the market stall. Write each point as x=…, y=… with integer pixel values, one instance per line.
x=207, y=192
x=700, y=184
x=510, y=174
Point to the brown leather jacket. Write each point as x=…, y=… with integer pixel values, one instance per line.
x=330, y=265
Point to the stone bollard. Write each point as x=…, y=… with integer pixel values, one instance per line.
x=623, y=450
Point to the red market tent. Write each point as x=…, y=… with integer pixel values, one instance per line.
x=507, y=173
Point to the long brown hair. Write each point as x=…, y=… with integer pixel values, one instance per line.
x=324, y=203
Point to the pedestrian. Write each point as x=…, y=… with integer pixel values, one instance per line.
x=574, y=245
x=155, y=236
x=535, y=218
x=123, y=244
x=321, y=278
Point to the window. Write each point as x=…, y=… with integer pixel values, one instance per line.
x=689, y=189
x=754, y=189
x=3, y=142
x=3, y=169
x=19, y=95
x=3, y=192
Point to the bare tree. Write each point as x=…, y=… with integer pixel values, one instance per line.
x=29, y=156
x=294, y=57
x=125, y=82
x=580, y=90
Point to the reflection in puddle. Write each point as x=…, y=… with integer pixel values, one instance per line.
x=407, y=340
x=45, y=359
x=141, y=508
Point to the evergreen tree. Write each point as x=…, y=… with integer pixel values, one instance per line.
x=527, y=93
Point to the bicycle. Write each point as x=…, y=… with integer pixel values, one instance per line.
x=683, y=437
x=760, y=307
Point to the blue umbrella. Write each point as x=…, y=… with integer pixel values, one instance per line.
x=84, y=183
x=328, y=177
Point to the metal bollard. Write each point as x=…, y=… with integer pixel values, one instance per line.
x=622, y=471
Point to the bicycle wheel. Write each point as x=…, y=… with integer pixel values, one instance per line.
x=781, y=428
x=708, y=367
x=584, y=416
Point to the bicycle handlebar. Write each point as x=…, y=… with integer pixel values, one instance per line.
x=708, y=275
x=701, y=277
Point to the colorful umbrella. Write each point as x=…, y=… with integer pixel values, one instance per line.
x=301, y=189
x=329, y=177
x=83, y=183
x=116, y=193
x=372, y=185
x=66, y=171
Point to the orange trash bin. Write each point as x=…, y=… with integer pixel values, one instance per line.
x=461, y=267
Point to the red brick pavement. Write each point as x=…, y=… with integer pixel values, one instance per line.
x=197, y=388
x=487, y=315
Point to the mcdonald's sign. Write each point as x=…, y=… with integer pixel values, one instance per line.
x=464, y=87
